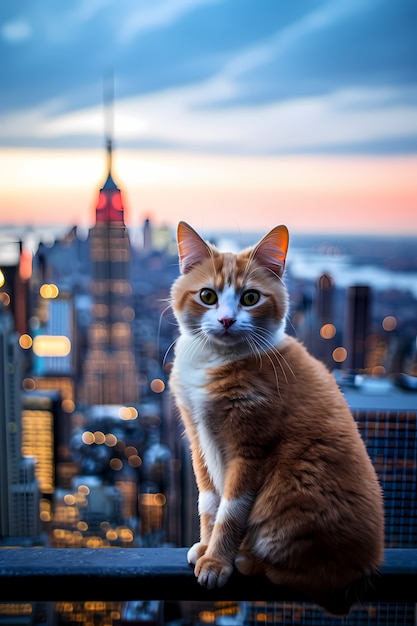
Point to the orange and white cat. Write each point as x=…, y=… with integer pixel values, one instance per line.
x=286, y=487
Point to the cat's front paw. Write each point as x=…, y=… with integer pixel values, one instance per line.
x=212, y=572
x=194, y=553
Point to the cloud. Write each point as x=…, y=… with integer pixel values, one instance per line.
x=179, y=117
x=290, y=35
x=328, y=47
x=16, y=31
x=317, y=123
x=27, y=123
x=151, y=14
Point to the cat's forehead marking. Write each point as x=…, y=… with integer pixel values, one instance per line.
x=225, y=269
x=231, y=269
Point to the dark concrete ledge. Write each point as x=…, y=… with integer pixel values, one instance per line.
x=117, y=574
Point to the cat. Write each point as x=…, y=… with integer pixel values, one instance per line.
x=286, y=487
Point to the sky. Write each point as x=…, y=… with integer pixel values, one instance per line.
x=229, y=114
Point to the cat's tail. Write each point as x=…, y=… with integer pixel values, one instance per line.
x=339, y=602
x=335, y=602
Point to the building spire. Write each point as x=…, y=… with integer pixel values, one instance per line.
x=108, y=98
x=109, y=144
x=108, y=101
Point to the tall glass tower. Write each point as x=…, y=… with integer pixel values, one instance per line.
x=110, y=375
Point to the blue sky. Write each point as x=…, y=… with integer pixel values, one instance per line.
x=220, y=76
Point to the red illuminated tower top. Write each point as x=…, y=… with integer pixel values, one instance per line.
x=110, y=206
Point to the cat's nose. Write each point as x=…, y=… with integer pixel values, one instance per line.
x=227, y=321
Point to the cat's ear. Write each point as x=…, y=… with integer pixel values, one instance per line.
x=271, y=251
x=192, y=248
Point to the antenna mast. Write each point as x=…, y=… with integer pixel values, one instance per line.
x=108, y=97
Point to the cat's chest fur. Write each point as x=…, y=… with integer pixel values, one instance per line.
x=190, y=379
x=190, y=376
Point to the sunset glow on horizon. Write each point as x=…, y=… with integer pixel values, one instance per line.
x=349, y=194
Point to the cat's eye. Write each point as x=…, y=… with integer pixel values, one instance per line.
x=249, y=298
x=208, y=296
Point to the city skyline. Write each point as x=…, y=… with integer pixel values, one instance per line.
x=224, y=116
x=339, y=194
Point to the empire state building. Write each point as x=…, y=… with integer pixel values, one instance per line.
x=110, y=375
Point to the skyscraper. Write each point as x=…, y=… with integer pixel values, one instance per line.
x=9, y=420
x=357, y=324
x=19, y=491
x=109, y=375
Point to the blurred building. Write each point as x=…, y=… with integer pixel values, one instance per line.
x=27, y=614
x=109, y=371
x=53, y=333
x=49, y=382
x=15, y=272
x=324, y=339
x=19, y=489
x=44, y=435
x=357, y=326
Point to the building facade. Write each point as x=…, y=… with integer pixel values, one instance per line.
x=109, y=375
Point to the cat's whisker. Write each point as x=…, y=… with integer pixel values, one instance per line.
x=196, y=346
x=276, y=374
x=287, y=364
x=212, y=261
x=254, y=349
x=161, y=316
x=268, y=352
x=253, y=270
x=271, y=347
x=167, y=351
x=161, y=319
x=280, y=359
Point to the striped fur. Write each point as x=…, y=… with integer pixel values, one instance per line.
x=286, y=486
